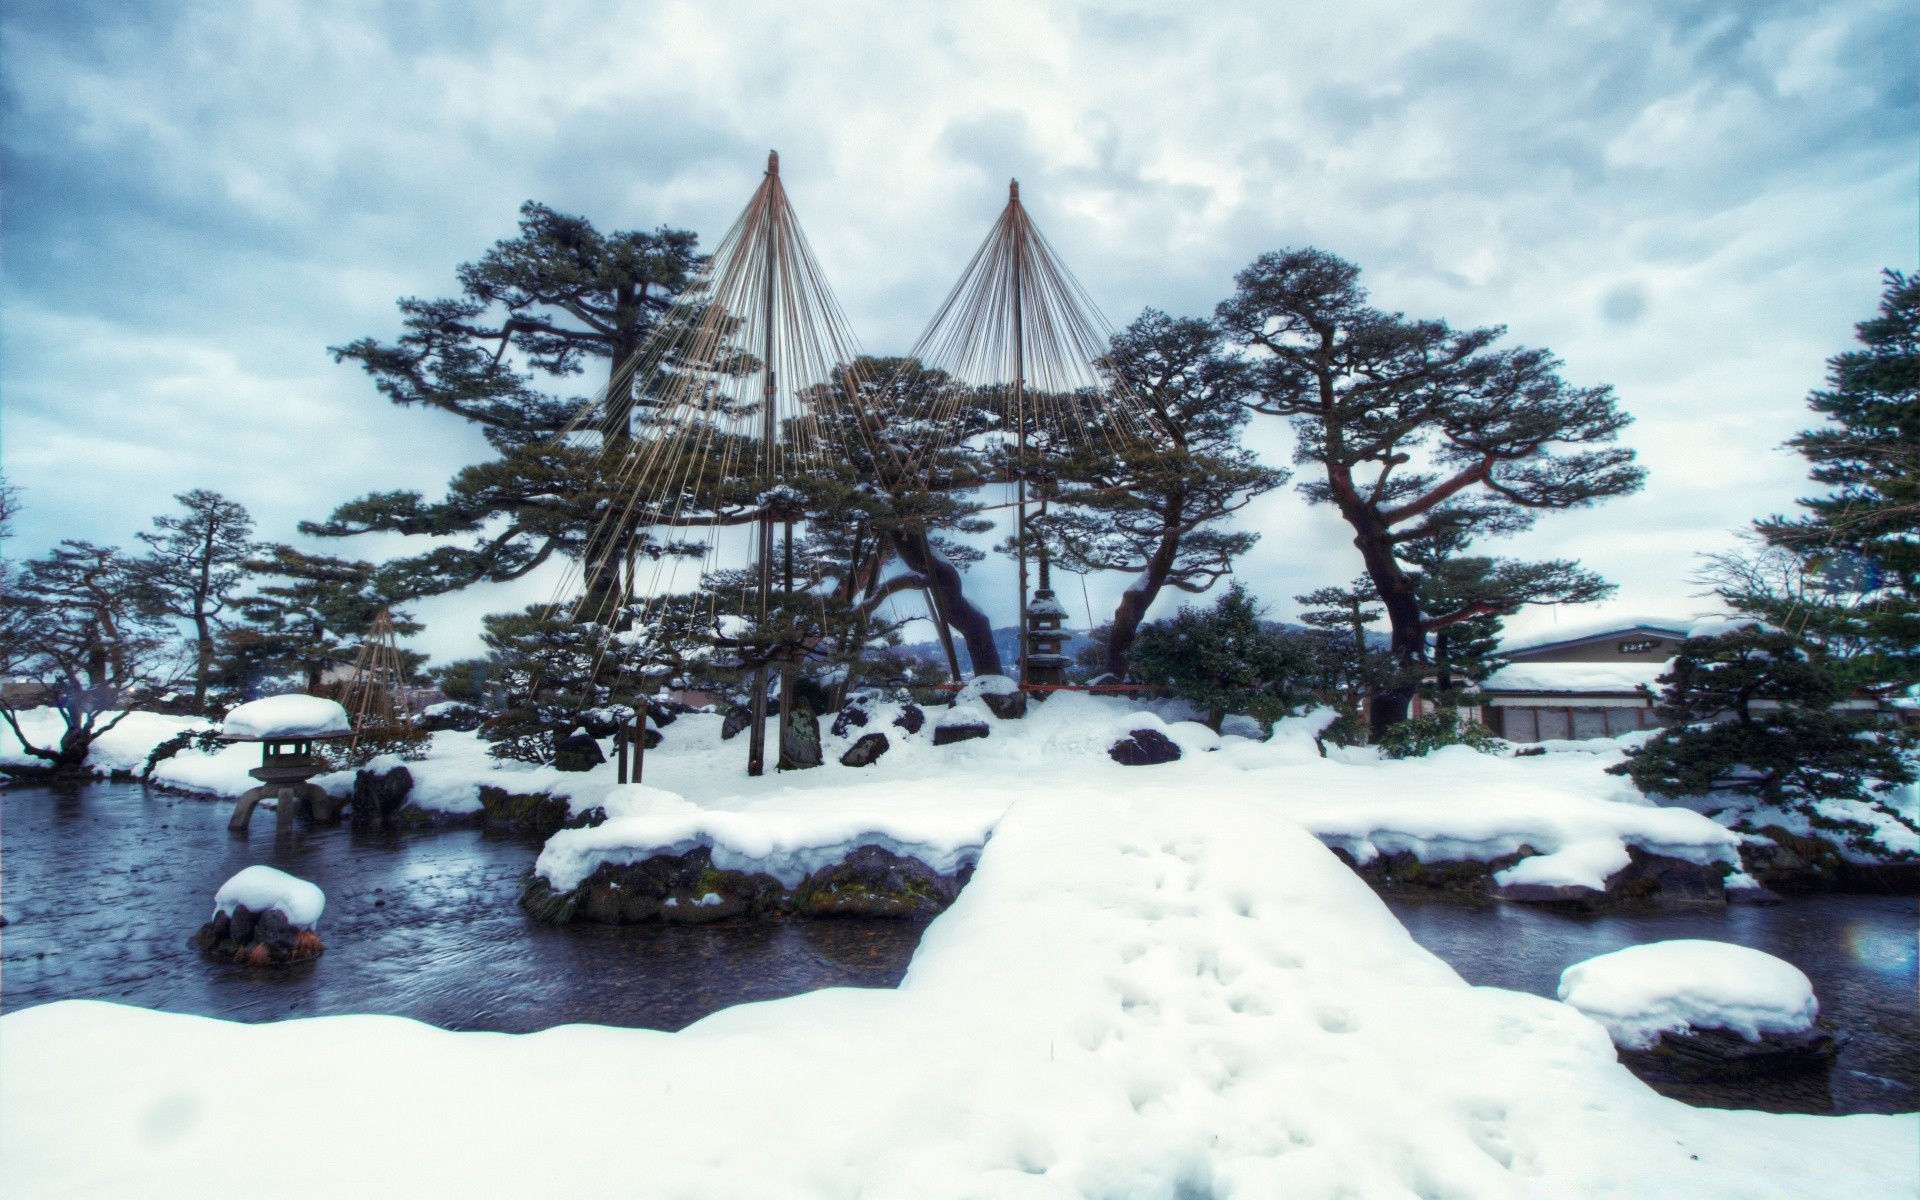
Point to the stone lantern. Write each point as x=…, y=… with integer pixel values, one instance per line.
x=1046, y=664
x=287, y=727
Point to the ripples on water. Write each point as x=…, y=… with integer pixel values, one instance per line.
x=105, y=883
x=1861, y=952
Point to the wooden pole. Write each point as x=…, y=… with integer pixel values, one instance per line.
x=639, y=743
x=1020, y=410
x=757, y=732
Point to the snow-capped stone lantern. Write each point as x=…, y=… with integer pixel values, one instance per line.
x=1046, y=665
x=286, y=728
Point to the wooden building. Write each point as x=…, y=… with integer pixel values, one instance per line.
x=1591, y=682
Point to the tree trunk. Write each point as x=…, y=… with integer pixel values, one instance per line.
x=608, y=540
x=917, y=551
x=203, y=669
x=1135, y=603
x=1409, y=644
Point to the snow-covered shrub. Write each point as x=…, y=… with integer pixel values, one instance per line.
x=1417, y=736
x=1753, y=710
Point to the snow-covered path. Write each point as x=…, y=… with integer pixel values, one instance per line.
x=1169, y=991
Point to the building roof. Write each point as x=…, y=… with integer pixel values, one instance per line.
x=1621, y=678
x=1575, y=632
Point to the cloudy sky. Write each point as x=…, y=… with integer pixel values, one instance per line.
x=1689, y=201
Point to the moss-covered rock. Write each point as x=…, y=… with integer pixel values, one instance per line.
x=1403, y=874
x=874, y=882
x=537, y=812
x=688, y=889
x=685, y=889
x=1793, y=862
x=1647, y=880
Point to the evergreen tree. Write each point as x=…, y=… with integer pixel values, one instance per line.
x=540, y=307
x=555, y=675
x=73, y=626
x=1224, y=659
x=1347, y=667
x=310, y=618
x=1754, y=709
x=193, y=570
x=1155, y=511
x=1466, y=651
x=1861, y=541
x=1423, y=432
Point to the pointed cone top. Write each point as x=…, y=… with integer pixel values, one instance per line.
x=1013, y=191
x=773, y=163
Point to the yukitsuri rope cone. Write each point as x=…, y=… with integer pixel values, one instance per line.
x=749, y=391
x=1025, y=358
x=375, y=697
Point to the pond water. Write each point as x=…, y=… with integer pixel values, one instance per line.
x=1861, y=953
x=105, y=883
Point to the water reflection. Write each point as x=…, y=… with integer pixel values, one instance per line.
x=1860, y=952
x=104, y=884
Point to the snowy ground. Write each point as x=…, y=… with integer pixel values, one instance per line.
x=1157, y=990
x=1159, y=983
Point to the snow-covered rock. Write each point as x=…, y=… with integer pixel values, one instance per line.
x=260, y=888
x=787, y=845
x=287, y=717
x=1688, y=984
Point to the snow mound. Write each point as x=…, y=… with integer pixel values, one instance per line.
x=1644, y=991
x=985, y=685
x=788, y=845
x=287, y=716
x=262, y=888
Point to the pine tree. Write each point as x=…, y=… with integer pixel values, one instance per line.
x=1155, y=511
x=1756, y=709
x=1348, y=668
x=1861, y=541
x=1423, y=432
x=1224, y=660
x=193, y=570
x=536, y=309
x=309, y=619
x=555, y=674
x=73, y=626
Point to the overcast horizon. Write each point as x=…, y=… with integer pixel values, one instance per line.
x=1690, y=204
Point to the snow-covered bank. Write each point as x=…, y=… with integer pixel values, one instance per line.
x=1453, y=806
x=120, y=750
x=1163, y=988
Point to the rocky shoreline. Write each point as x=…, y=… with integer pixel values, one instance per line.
x=687, y=889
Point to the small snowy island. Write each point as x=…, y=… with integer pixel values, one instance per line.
x=1676, y=986
x=263, y=917
x=1702, y=1006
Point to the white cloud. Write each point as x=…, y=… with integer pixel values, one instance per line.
x=1692, y=208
